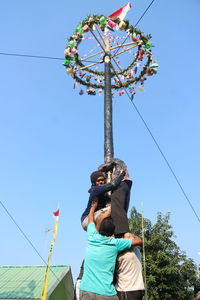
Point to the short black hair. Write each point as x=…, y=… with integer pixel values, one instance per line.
x=95, y=175
x=107, y=227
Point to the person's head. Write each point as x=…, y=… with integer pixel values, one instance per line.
x=97, y=178
x=107, y=227
x=120, y=165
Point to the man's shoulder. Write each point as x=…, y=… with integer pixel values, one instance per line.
x=127, y=182
x=117, y=242
x=92, y=231
x=96, y=189
x=123, y=244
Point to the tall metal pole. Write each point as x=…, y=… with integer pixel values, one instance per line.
x=108, y=128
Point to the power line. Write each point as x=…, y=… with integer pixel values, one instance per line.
x=148, y=129
x=31, y=56
x=144, y=12
x=50, y=58
x=136, y=24
x=165, y=159
x=138, y=112
x=158, y=147
x=58, y=58
x=25, y=236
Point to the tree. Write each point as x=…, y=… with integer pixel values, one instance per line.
x=169, y=273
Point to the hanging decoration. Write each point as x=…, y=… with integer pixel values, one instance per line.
x=131, y=60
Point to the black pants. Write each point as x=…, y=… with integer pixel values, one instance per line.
x=132, y=295
x=120, y=199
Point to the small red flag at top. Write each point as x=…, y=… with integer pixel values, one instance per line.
x=56, y=213
x=121, y=12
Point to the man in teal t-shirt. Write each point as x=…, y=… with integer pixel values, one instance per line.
x=100, y=259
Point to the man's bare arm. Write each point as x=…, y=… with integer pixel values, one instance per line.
x=136, y=240
x=92, y=210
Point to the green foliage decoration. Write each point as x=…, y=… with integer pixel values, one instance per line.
x=73, y=63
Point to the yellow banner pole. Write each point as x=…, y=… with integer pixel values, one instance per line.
x=44, y=291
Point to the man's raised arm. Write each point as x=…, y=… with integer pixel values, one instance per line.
x=92, y=210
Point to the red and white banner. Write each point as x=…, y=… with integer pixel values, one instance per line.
x=55, y=229
x=121, y=12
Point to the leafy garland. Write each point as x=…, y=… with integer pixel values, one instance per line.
x=73, y=63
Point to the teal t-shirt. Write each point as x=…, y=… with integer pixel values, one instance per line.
x=100, y=259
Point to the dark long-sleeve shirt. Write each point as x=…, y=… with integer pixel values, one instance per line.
x=99, y=191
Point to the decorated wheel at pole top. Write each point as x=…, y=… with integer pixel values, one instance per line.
x=130, y=56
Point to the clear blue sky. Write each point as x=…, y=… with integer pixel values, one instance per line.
x=52, y=138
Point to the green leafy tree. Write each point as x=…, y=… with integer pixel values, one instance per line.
x=169, y=273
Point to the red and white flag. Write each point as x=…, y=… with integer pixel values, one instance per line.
x=46, y=278
x=121, y=12
x=56, y=213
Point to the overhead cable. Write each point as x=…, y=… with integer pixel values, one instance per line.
x=26, y=237
x=136, y=24
x=144, y=13
x=158, y=147
x=30, y=56
x=58, y=58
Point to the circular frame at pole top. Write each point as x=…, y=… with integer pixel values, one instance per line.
x=84, y=69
